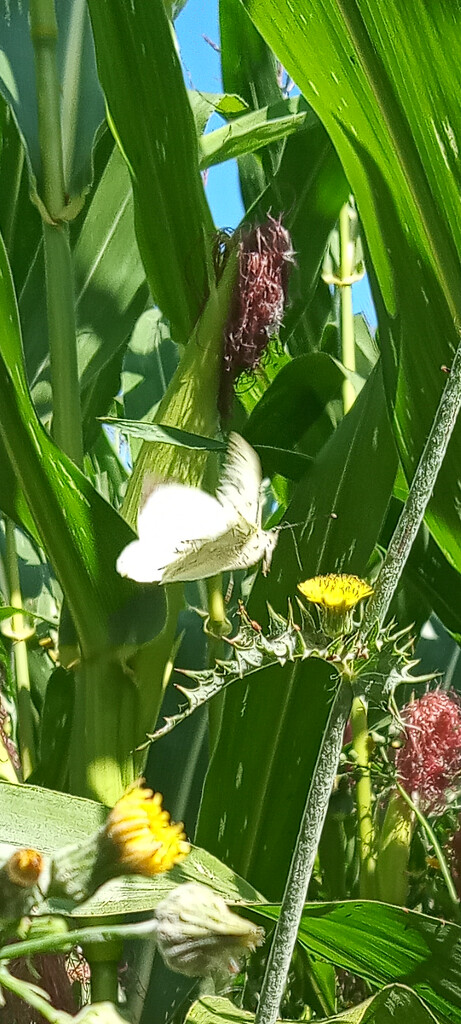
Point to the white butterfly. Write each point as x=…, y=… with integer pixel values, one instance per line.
x=186, y=534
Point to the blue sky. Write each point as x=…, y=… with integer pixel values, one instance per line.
x=199, y=19
x=203, y=71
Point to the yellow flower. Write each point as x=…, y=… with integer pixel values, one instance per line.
x=146, y=841
x=336, y=590
x=336, y=594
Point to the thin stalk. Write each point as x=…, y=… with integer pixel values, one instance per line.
x=346, y=269
x=363, y=798
x=98, y=935
x=303, y=859
x=218, y=626
x=67, y=417
x=418, y=497
x=437, y=849
x=19, y=632
x=59, y=280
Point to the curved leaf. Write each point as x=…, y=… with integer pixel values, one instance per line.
x=140, y=71
x=81, y=533
x=47, y=820
x=253, y=131
x=261, y=767
x=292, y=403
x=385, y=945
x=386, y=87
x=267, y=738
x=381, y=1008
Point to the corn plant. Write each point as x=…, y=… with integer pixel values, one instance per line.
x=273, y=712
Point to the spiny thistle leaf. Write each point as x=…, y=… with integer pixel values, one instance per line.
x=374, y=670
x=253, y=651
x=386, y=663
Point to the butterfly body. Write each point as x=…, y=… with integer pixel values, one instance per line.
x=186, y=534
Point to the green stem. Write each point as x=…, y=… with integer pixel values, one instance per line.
x=437, y=849
x=58, y=265
x=303, y=860
x=67, y=418
x=418, y=497
x=347, y=250
x=364, y=798
x=104, y=973
x=104, y=734
x=97, y=935
x=20, y=632
x=44, y=34
x=219, y=626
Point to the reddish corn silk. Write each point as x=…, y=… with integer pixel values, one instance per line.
x=258, y=304
x=429, y=763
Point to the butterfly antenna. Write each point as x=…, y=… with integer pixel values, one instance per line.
x=291, y=526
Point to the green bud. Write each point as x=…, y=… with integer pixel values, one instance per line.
x=198, y=935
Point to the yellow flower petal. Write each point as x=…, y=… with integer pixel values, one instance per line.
x=337, y=591
x=147, y=842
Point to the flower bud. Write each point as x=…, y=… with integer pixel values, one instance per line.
x=19, y=877
x=198, y=935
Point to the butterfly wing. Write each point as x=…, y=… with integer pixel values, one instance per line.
x=210, y=557
x=186, y=534
x=240, y=482
x=180, y=513
x=241, y=547
x=174, y=520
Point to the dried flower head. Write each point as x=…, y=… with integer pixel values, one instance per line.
x=146, y=841
x=429, y=763
x=337, y=594
x=198, y=935
x=259, y=301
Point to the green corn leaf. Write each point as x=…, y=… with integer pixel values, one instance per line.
x=140, y=71
x=167, y=435
x=253, y=131
x=388, y=945
x=250, y=70
x=80, y=532
x=386, y=88
x=379, y=1009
